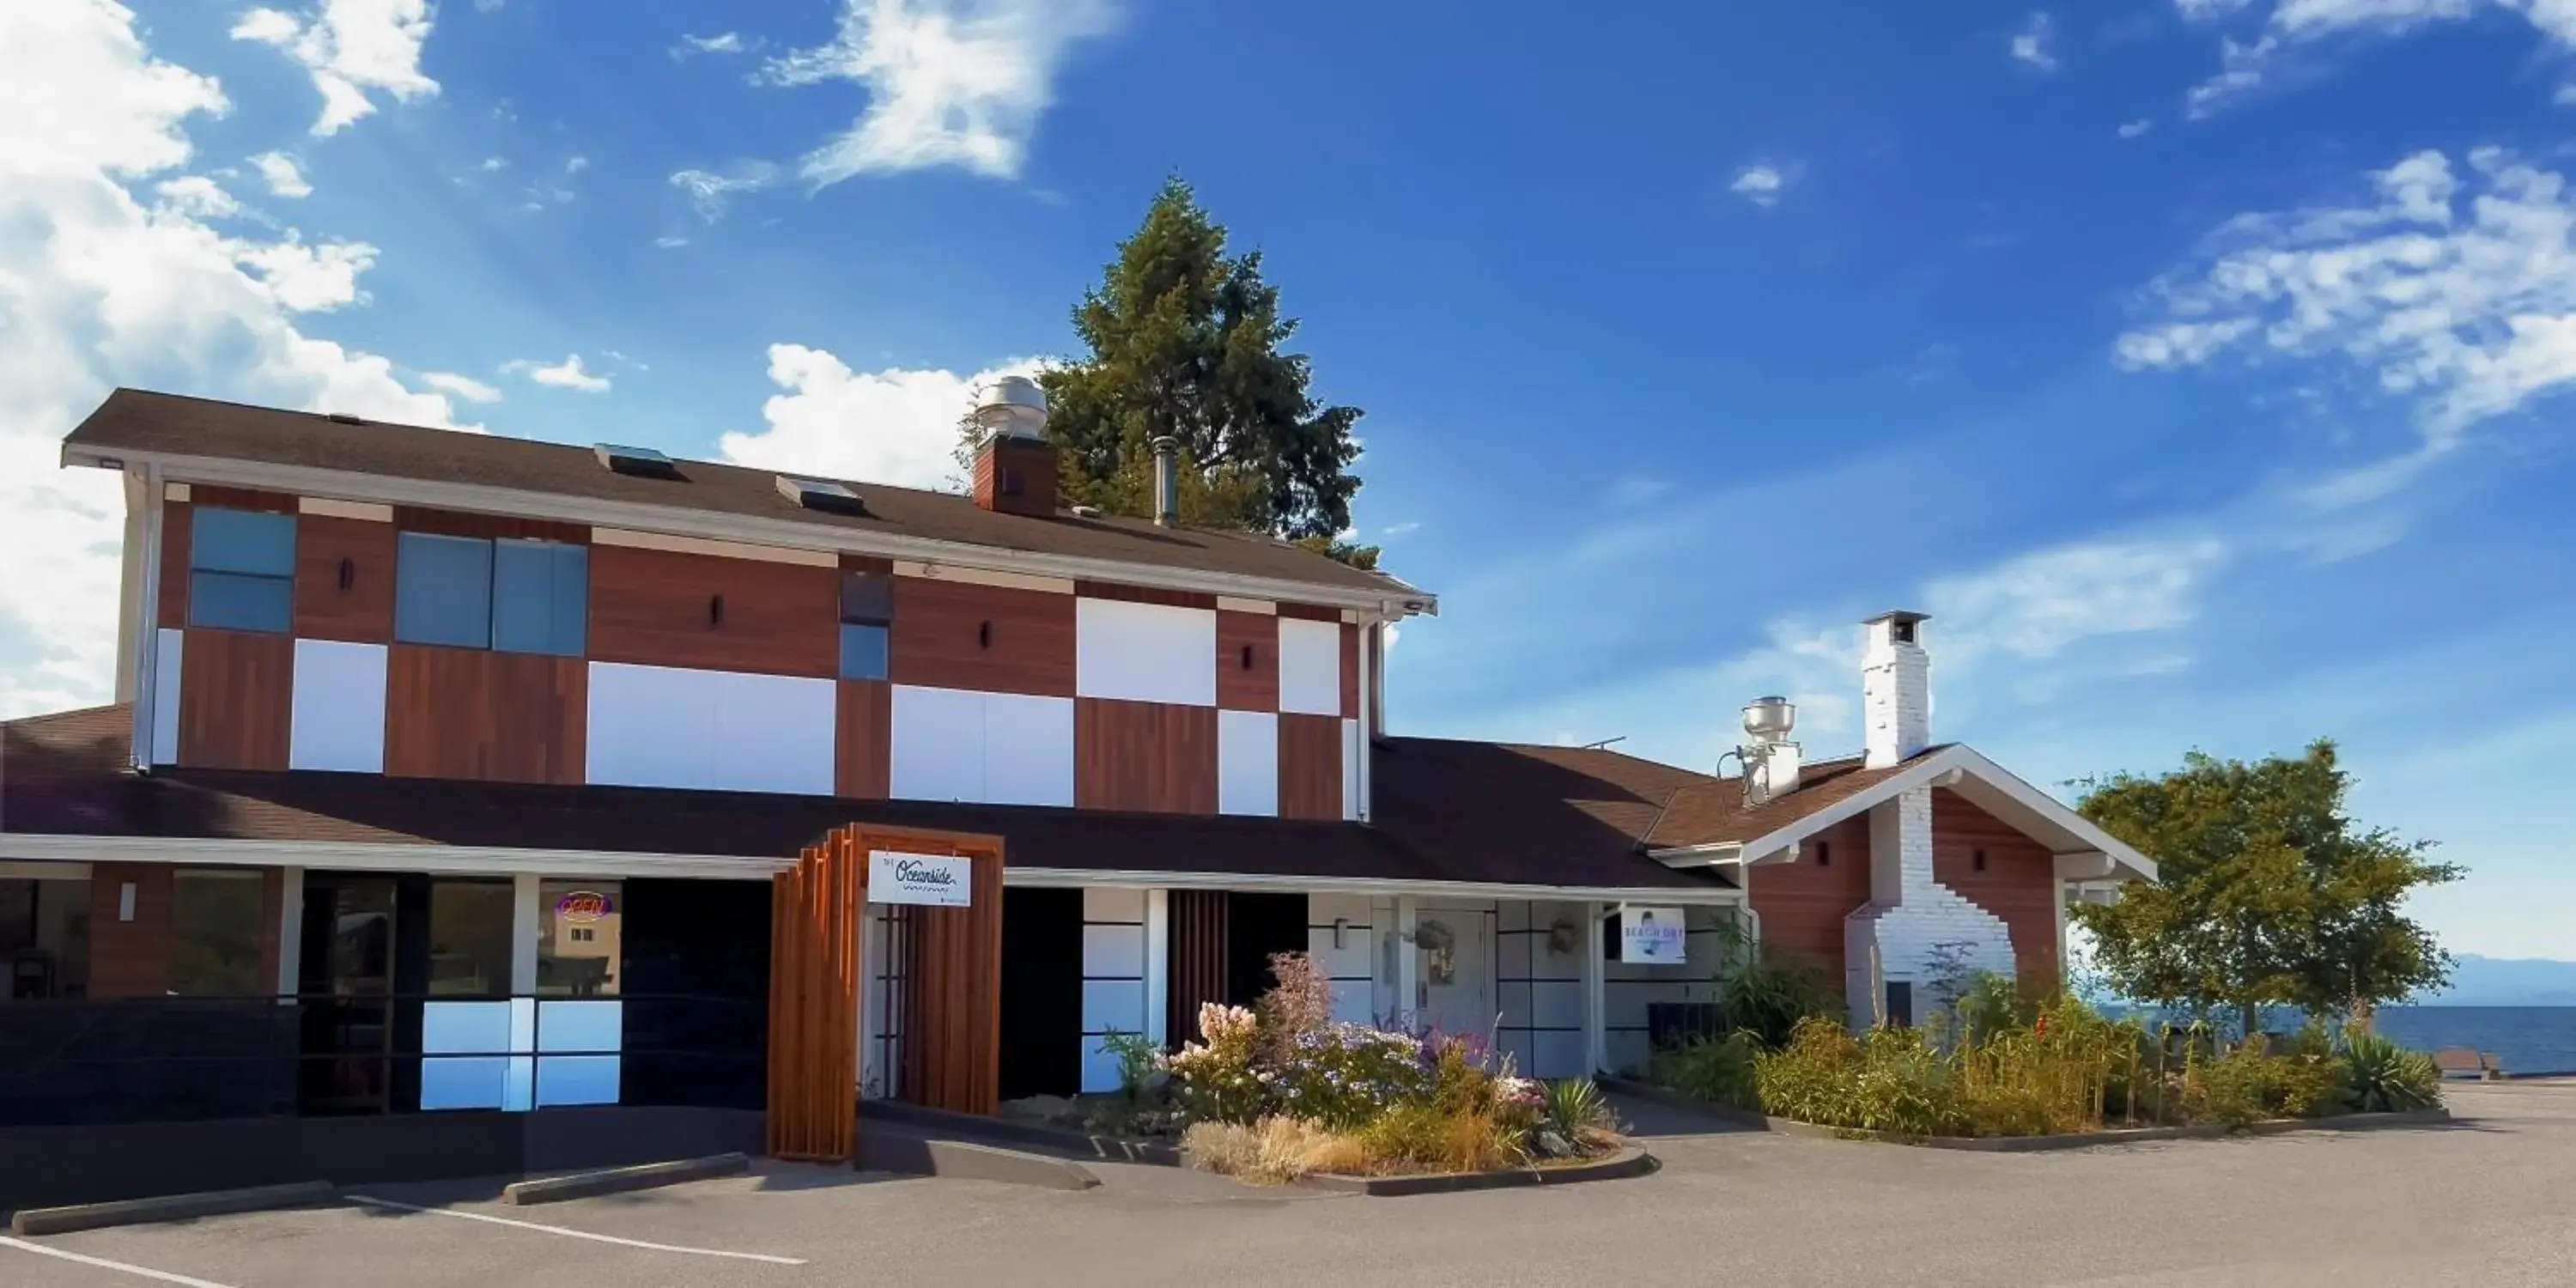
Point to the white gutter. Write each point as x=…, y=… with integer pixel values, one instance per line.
x=376, y=856
x=1400, y=600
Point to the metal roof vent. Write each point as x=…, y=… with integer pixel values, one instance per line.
x=1012, y=406
x=344, y=418
x=821, y=494
x=642, y=462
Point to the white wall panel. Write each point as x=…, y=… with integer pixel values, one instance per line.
x=1113, y=951
x=165, y=695
x=1351, y=753
x=1247, y=763
x=771, y=733
x=1144, y=652
x=662, y=726
x=1113, y=903
x=1028, y=750
x=1113, y=1006
x=649, y=726
x=1310, y=667
x=338, y=719
x=938, y=744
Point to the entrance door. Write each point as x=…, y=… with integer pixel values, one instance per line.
x=346, y=989
x=1455, y=961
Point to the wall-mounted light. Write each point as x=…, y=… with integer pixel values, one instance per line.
x=1341, y=926
x=348, y=573
x=125, y=902
x=984, y=635
x=715, y=610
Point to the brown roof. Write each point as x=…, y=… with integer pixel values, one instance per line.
x=1712, y=812
x=134, y=420
x=66, y=774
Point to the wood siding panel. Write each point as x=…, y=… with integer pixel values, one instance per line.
x=1144, y=594
x=816, y=955
x=1144, y=757
x=485, y=717
x=362, y=611
x=1803, y=904
x=1310, y=612
x=952, y=987
x=657, y=608
x=242, y=498
x=236, y=697
x=1198, y=955
x=457, y=523
x=1247, y=661
x=1310, y=767
x=941, y=640
x=129, y=958
x=863, y=740
x=1350, y=671
x=2019, y=883
x=178, y=520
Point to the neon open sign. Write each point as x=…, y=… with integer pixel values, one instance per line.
x=583, y=906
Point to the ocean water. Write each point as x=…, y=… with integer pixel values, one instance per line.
x=2528, y=1039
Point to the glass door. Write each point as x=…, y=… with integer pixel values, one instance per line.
x=346, y=991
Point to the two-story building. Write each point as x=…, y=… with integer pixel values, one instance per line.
x=472, y=758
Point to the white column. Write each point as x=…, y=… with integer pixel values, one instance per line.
x=1368, y=629
x=1596, y=1000
x=290, y=931
x=146, y=593
x=2057, y=901
x=524, y=923
x=1158, y=963
x=1408, y=961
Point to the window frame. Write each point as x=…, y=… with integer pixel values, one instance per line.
x=256, y=880
x=202, y=573
x=564, y=637
x=867, y=605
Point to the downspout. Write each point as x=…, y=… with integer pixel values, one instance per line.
x=142, y=663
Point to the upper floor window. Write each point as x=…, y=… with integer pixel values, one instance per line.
x=470, y=592
x=241, y=569
x=867, y=617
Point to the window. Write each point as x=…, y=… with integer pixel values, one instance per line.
x=469, y=938
x=578, y=949
x=867, y=618
x=216, y=925
x=241, y=570
x=1977, y=860
x=1824, y=854
x=514, y=596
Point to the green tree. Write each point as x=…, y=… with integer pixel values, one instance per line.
x=2267, y=892
x=1185, y=341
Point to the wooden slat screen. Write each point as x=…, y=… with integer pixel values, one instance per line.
x=814, y=971
x=952, y=988
x=1198, y=965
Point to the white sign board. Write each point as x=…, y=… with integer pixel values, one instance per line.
x=1651, y=936
x=936, y=880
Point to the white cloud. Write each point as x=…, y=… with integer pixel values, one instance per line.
x=2565, y=96
x=197, y=197
x=493, y=165
x=2132, y=129
x=567, y=374
x=668, y=241
x=894, y=426
x=350, y=47
x=2036, y=605
x=949, y=82
x=731, y=42
x=708, y=191
x=99, y=289
x=465, y=387
x=2035, y=43
x=284, y=177
x=1759, y=184
x=2455, y=292
x=575, y=165
x=2247, y=67
x=1405, y=529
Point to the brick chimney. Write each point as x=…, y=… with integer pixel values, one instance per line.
x=1895, y=689
x=1015, y=469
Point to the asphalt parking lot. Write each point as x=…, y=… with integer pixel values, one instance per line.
x=2489, y=1200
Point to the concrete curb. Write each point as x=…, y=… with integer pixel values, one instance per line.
x=619, y=1180
x=883, y=1150
x=1113, y=1149
x=166, y=1207
x=2025, y=1144
x=1629, y=1161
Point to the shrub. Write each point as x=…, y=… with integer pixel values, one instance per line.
x=1419, y=1137
x=1344, y=1075
x=1574, y=1118
x=2380, y=1076
x=1890, y=1080
x=2246, y=1085
x=1767, y=999
x=1274, y=1151
x=1215, y=1075
x=1719, y=1070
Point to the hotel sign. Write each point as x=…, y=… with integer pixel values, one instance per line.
x=933, y=880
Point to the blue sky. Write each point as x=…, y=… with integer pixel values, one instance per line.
x=2198, y=363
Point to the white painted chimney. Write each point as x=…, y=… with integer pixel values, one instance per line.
x=1895, y=689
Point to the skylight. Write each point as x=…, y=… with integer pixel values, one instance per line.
x=641, y=461
x=820, y=494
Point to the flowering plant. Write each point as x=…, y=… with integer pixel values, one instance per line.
x=1215, y=1074
x=1344, y=1075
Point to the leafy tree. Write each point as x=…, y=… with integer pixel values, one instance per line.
x=1185, y=341
x=2267, y=891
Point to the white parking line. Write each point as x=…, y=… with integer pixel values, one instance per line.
x=573, y=1234
x=105, y=1264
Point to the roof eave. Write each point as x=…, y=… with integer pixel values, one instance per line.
x=1396, y=600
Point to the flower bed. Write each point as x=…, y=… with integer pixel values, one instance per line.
x=1282, y=1092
